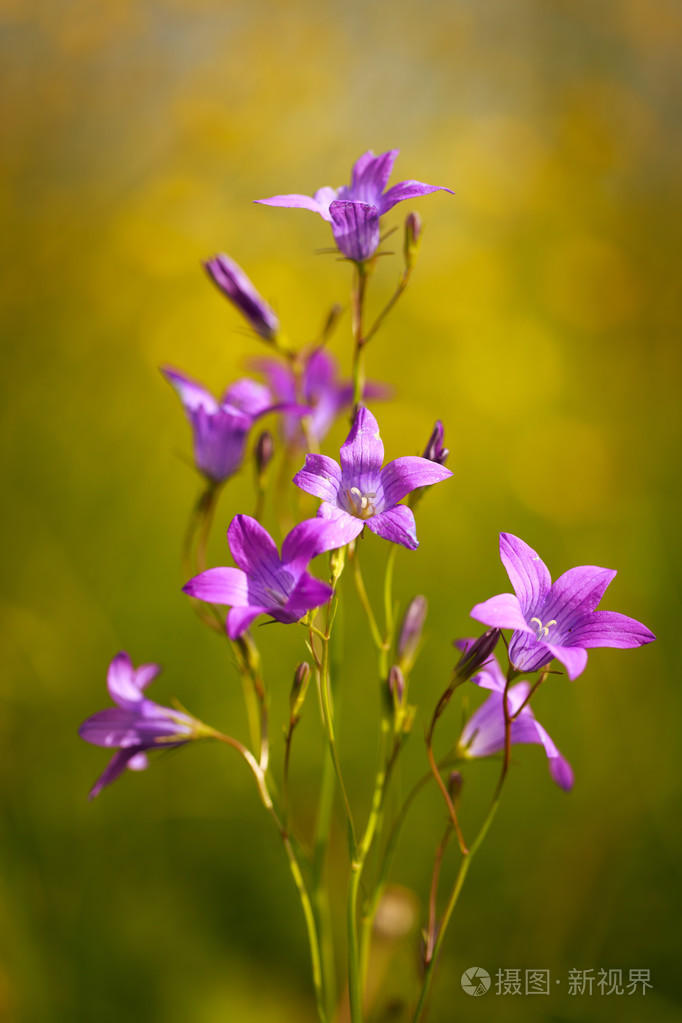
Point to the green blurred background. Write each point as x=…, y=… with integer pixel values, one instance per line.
x=541, y=326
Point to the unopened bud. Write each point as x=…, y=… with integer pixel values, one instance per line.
x=396, y=685
x=413, y=232
x=455, y=782
x=434, y=450
x=264, y=451
x=411, y=632
x=335, y=314
x=299, y=689
x=475, y=653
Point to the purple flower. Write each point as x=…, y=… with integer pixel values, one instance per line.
x=264, y=583
x=236, y=286
x=320, y=390
x=354, y=210
x=484, y=732
x=360, y=493
x=136, y=724
x=220, y=428
x=555, y=619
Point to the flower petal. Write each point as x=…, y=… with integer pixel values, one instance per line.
x=579, y=589
x=573, y=658
x=502, y=611
x=219, y=441
x=306, y=540
x=346, y=527
x=370, y=176
x=397, y=525
x=609, y=628
x=362, y=453
x=248, y=396
x=527, y=573
x=408, y=190
x=308, y=593
x=145, y=674
x=315, y=204
x=121, y=681
x=320, y=476
x=115, y=768
x=192, y=395
x=239, y=619
x=356, y=229
x=220, y=586
x=254, y=550
x=405, y=474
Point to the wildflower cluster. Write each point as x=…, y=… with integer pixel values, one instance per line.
x=302, y=392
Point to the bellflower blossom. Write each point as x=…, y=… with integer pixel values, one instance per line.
x=320, y=389
x=136, y=724
x=264, y=583
x=220, y=428
x=555, y=619
x=236, y=286
x=360, y=493
x=354, y=210
x=484, y=732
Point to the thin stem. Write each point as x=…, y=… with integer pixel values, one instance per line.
x=364, y=599
x=446, y=796
x=358, y=292
x=531, y=693
x=435, y=877
x=388, y=593
x=294, y=867
x=430, y=964
x=402, y=285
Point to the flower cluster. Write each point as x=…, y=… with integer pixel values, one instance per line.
x=306, y=392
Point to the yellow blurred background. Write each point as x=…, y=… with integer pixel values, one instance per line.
x=542, y=326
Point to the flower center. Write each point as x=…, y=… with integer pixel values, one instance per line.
x=542, y=631
x=361, y=505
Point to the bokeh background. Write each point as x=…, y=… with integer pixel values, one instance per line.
x=542, y=326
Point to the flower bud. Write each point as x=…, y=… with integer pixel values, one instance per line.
x=475, y=653
x=299, y=688
x=396, y=685
x=434, y=450
x=455, y=782
x=333, y=317
x=236, y=286
x=413, y=232
x=411, y=632
x=263, y=451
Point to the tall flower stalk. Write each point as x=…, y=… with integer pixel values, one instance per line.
x=303, y=581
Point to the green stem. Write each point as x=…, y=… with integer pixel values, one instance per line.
x=364, y=599
x=320, y=893
x=357, y=309
x=294, y=867
x=402, y=285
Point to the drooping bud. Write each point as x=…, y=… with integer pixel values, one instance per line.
x=263, y=452
x=411, y=630
x=455, y=782
x=475, y=652
x=414, y=227
x=236, y=286
x=434, y=450
x=396, y=685
x=299, y=688
x=333, y=317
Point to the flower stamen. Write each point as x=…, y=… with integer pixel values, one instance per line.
x=542, y=631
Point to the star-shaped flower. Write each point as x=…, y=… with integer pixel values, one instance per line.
x=136, y=725
x=555, y=619
x=484, y=732
x=264, y=583
x=360, y=493
x=354, y=210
